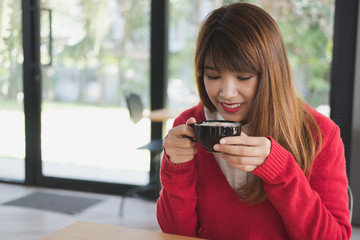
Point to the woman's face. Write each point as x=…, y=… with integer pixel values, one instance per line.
x=232, y=93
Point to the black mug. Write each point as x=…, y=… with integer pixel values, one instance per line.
x=208, y=133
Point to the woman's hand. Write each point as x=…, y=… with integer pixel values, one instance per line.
x=244, y=152
x=178, y=145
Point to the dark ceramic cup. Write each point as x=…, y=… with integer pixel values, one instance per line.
x=208, y=133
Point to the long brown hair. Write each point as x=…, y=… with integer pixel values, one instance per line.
x=242, y=37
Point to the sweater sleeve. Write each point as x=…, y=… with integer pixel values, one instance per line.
x=176, y=206
x=314, y=207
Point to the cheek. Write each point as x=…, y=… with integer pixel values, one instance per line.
x=210, y=89
x=251, y=92
x=252, y=96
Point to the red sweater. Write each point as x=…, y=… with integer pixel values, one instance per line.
x=196, y=199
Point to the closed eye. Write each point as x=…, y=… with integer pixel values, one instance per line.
x=244, y=78
x=212, y=77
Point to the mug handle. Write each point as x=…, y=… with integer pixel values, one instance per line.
x=192, y=125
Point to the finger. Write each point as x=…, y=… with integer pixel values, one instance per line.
x=233, y=159
x=190, y=127
x=242, y=140
x=176, y=149
x=238, y=150
x=180, y=142
x=186, y=151
x=191, y=120
x=181, y=131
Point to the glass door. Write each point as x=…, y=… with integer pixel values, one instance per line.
x=12, y=132
x=93, y=53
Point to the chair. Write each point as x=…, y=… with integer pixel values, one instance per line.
x=351, y=202
x=136, y=109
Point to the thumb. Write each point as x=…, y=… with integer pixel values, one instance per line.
x=191, y=120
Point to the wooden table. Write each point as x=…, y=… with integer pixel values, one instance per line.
x=93, y=231
x=164, y=114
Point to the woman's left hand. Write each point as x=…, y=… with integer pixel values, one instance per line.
x=244, y=152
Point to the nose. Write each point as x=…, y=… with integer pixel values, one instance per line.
x=228, y=88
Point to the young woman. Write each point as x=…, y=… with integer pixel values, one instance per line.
x=284, y=177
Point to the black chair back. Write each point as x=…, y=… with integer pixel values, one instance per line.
x=135, y=107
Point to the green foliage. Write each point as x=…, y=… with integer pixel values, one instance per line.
x=10, y=48
x=306, y=27
x=90, y=37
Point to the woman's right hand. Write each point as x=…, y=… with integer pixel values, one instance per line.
x=178, y=146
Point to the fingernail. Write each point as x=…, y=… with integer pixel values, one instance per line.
x=222, y=141
x=216, y=147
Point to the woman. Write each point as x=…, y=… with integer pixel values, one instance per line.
x=284, y=177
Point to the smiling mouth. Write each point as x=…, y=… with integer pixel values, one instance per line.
x=232, y=108
x=234, y=105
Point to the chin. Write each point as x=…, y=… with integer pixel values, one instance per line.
x=233, y=118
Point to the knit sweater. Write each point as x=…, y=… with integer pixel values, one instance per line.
x=196, y=199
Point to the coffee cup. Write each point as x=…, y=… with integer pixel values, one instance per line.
x=208, y=133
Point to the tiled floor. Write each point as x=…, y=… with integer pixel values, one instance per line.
x=18, y=223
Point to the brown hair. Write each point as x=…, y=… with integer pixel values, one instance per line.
x=242, y=37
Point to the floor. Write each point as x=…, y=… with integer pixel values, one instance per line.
x=18, y=223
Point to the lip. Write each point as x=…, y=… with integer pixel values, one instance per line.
x=231, y=107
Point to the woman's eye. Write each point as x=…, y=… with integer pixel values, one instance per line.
x=212, y=77
x=244, y=78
